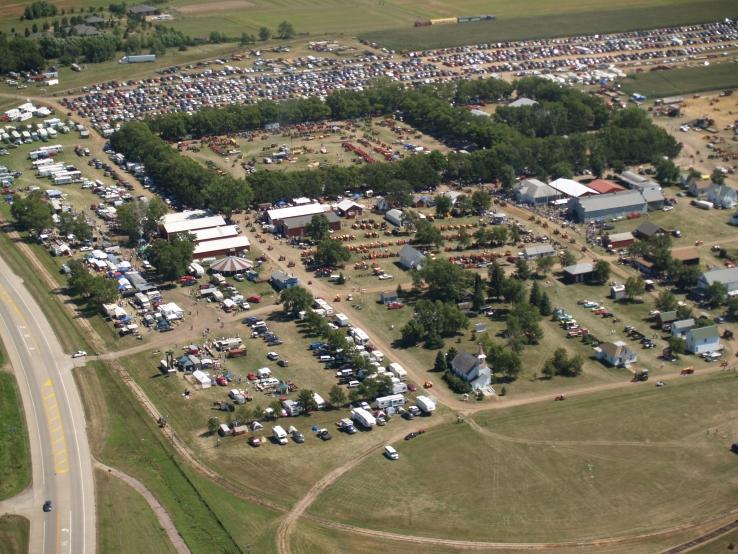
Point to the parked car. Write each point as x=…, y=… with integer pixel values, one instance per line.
x=47, y=506
x=272, y=356
x=323, y=434
x=255, y=441
x=79, y=354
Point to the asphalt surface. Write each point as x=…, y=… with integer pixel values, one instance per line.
x=62, y=465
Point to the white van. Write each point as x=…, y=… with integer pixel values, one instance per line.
x=391, y=453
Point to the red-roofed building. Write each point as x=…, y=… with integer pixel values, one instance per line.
x=603, y=186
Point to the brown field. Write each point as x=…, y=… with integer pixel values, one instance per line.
x=211, y=7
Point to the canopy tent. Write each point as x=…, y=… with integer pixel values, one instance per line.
x=231, y=264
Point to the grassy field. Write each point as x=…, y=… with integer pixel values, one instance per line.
x=553, y=19
x=721, y=545
x=557, y=471
x=126, y=523
x=14, y=532
x=15, y=456
x=686, y=80
x=208, y=518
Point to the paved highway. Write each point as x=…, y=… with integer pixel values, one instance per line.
x=62, y=466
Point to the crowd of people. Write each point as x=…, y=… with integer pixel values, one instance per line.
x=195, y=87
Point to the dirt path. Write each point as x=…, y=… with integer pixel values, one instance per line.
x=161, y=514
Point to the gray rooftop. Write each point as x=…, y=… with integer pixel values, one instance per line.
x=539, y=249
x=724, y=276
x=622, y=199
x=703, y=333
x=302, y=220
x=579, y=269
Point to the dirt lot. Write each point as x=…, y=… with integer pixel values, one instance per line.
x=695, y=153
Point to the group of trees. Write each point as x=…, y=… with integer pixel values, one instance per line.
x=140, y=219
x=562, y=365
x=182, y=178
x=296, y=299
x=587, y=137
x=433, y=320
x=74, y=224
x=330, y=252
x=95, y=289
x=39, y=9
x=171, y=258
x=32, y=212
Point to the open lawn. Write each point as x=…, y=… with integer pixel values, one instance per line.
x=15, y=456
x=126, y=522
x=542, y=19
x=299, y=465
x=557, y=471
x=695, y=224
x=683, y=80
x=122, y=436
x=723, y=545
x=14, y=532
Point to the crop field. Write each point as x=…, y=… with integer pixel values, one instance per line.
x=685, y=80
x=311, y=146
x=553, y=19
x=557, y=471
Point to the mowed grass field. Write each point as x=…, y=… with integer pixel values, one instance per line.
x=604, y=465
x=208, y=518
x=122, y=509
x=15, y=456
x=543, y=19
x=14, y=532
x=686, y=80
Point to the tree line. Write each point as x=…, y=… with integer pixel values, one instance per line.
x=574, y=132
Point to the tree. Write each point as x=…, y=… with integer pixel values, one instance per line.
x=319, y=228
x=717, y=177
x=32, y=212
x=264, y=34
x=513, y=291
x=411, y=333
x=295, y=300
x=496, y=276
x=666, y=301
x=567, y=258
x=685, y=277
x=336, y=396
x=535, y=295
x=172, y=258
x=213, y=424
x=443, y=205
x=478, y=296
x=445, y=280
x=428, y=234
x=601, y=272
x=522, y=270
x=464, y=239
x=544, y=264
x=732, y=308
x=634, y=287
x=523, y=322
x=441, y=364
x=285, y=30
x=226, y=195
x=667, y=173
x=332, y=253
x=545, y=306
x=481, y=201
x=306, y=399
x=716, y=294
x=677, y=345
x=70, y=224
x=561, y=364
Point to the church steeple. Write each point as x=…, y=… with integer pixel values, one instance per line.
x=481, y=356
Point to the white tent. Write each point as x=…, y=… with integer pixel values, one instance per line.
x=202, y=378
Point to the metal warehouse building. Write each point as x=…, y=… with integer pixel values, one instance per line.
x=608, y=206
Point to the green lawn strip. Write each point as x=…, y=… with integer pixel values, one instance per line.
x=15, y=456
x=125, y=521
x=722, y=545
x=510, y=484
x=68, y=332
x=131, y=442
x=655, y=84
x=14, y=533
x=566, y=22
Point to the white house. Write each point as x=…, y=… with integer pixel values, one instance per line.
x=473, y=369
x=682, y=327
x=394, y=216
x=704, y=339
x=538, y=251
x=615, y=354
x=722, y=196
x=727, y=276
x=411, y=258
x=535, y=192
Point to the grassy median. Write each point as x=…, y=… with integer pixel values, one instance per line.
x=14, y=531
x=15, y=457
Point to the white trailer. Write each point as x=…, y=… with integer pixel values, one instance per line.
x=359, y=335
x=426, y=404
x=279, y=434
x=398, y=371
x=363, y=417
x=391, y=401
x=226, y=344
x=342, y=320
